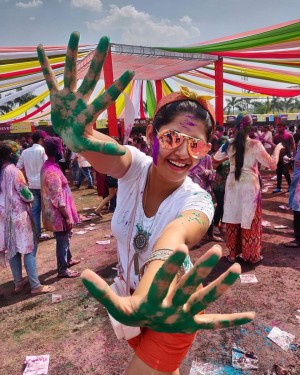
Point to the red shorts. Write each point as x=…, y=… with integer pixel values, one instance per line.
x=161, y=351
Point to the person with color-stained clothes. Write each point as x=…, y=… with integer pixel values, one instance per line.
x=160, y=214
x=17, y=238
x=294, y=200
x=58, y=207
x=242, y=206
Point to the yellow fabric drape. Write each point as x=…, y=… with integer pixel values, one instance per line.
x=233, y=93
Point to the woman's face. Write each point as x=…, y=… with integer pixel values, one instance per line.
x=175, y=164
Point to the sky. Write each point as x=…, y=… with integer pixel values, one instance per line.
x=148, y=23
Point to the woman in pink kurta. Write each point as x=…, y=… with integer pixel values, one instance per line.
x=58, y=207
x=16, y=233
x=242, y=206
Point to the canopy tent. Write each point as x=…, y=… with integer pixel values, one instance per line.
x=270, y=56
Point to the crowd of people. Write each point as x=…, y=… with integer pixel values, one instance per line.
x=167, y=183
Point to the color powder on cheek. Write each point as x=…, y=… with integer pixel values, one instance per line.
x=155, y=150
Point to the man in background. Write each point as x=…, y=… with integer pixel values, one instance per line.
x=30, y=162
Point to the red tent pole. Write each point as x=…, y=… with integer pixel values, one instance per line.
x=111, y=110
x=158, y=88
x=219, y=90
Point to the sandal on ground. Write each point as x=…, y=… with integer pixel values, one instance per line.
x=293, y=244
x=216, y=239
x=98, y=214
x=230, y=259
x=68, y=274
x=43, y=289
x=21, y=285
x=73, y=262
x=258, y=261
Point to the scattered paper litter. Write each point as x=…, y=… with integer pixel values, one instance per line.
x=274, y=178
x=37, y=365
x=265, y=190
x=280, y=226
x=90, y=228
x=81, y=232
x=109, y=236
x=265, y=223
x=202, y=368
x=281, y=338
x=284, y=207
x=87, y=218
x=93, y=214
x=241, y=359
x=56, y=298
x=92, y=225
x=86, y=208
x=247, y=278
x=103, y=242
x=298, y=318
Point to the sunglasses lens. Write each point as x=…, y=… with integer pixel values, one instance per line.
x=198, y=148
x=170, y=139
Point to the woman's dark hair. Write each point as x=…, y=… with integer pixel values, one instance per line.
x=5, y=153
x=239, y=143
x=52, y=146
x=168, y=112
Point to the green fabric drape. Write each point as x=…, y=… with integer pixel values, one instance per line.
x=150, y=99
x=282, y=34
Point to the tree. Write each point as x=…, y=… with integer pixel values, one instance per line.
x=233, y=104
x=6, y=107
x=276, y=104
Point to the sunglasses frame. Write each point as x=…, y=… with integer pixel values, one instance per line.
x=189, y=141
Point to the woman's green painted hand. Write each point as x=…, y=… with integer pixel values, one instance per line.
x=177, y=309
x=71, y=114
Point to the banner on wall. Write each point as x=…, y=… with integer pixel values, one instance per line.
x=21, y=127
x=5, y=128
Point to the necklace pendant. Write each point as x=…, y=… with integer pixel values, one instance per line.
x=140, y=242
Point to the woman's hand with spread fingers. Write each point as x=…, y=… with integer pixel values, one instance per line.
x=176, y=309
x=71, y=114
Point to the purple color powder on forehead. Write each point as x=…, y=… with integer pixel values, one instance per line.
x=155, y=150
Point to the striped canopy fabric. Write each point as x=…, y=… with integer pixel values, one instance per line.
x=269, y=56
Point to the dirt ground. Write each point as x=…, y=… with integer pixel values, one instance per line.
x=77, y=333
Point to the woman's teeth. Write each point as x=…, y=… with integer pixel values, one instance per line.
x=177, y=164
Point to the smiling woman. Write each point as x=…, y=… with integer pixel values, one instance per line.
x=160, y=214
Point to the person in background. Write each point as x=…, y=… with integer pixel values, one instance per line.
x=203, y=174
x=112, y=185
x=30, y=163
x=289, y=149
x=16, y=234
x=74, y=168
x=266, y=139
x=297, y=135
x=84, y=172
x=222, y=168
x=242, y=206
x=58, y=207
x=294, y=200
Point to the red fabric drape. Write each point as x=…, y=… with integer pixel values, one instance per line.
x=111, y=110
x=284, y=93
x=32, y=113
